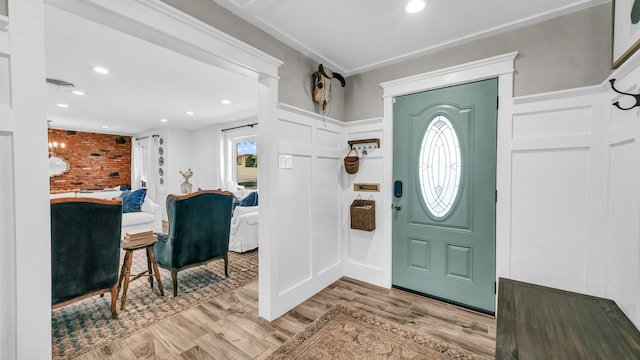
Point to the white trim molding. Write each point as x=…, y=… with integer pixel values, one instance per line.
x=459, y=74
x=502, y=67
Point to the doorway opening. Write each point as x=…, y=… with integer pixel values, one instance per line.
x=189, y=146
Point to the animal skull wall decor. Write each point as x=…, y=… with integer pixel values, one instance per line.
x=322, y=86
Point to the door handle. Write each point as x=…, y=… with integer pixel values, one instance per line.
x=396, y=206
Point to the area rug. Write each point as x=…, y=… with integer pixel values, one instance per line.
x=347, y=333
x=87, y=324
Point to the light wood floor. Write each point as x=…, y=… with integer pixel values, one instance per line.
x=228, y=327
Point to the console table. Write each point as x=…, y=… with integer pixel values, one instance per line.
x=537, y=322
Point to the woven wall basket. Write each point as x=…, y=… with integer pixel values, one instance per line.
x=351, y=163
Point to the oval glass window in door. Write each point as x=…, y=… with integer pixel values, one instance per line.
x=440, y=167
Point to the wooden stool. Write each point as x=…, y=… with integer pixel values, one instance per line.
x=125, y=272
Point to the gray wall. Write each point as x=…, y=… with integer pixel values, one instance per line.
x=3, y=7
x=565, y=52
x=295, y=73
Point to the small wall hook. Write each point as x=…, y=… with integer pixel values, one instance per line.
x=617, y=103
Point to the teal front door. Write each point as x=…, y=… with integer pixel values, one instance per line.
x=444, y=169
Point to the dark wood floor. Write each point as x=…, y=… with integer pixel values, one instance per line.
x=228, y=327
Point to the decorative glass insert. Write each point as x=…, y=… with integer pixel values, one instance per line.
x=439, y=167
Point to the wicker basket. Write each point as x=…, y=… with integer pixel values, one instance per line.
x=363, y=215
x=351, y=163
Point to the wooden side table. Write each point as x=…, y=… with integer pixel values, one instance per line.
x=125, y=272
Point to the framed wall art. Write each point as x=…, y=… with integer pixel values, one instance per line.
x=626, y=30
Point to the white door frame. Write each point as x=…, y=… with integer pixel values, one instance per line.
x=157, y=23
x=502, y=67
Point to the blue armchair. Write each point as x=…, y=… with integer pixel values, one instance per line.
x=199, y=225
x=85, y=249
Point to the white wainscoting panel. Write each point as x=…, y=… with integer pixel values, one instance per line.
x=366, y=255
x=623, y=249
x=549, y=217
x=294, y=225
x=552, y=123
x=623, y=194
x=5, y=96
x=327, y=249
x=556, y=207
x=7, y=250
x=305, y=231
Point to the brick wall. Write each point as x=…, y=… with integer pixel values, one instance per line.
x=97, y=161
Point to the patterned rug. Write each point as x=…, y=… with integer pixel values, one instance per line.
x=87, y=324
x=347, y=333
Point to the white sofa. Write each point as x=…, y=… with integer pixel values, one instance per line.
x=244, y=223
x=244, y=229
x=149, y=218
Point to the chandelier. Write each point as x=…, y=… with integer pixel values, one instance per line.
x=54, y=146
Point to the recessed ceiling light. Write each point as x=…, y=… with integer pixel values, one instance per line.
x=415, y=6
x=62, y=105
x=226, y=101
x=77, y=92
x=100, y=69
x=189, y=112
x=105, y=127
x=163, y=120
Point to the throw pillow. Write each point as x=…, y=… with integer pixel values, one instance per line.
x=132, y=200
x=250, y=200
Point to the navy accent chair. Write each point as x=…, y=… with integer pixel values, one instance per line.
x=85, y=249
x=199, y=225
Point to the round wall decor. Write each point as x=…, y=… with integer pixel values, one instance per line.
x=160, y=150
x=161, y=161
x=161, y=172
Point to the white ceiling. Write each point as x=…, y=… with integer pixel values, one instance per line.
x=352, y=36
x=148, y=83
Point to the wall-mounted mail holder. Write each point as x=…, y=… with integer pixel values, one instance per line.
x=366, y=187
x=363, y=215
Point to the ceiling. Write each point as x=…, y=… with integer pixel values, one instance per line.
x=358, y=35
x=147, y=83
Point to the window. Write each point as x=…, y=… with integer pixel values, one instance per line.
x=440, y=167
x=246, y=169
x=239, y=158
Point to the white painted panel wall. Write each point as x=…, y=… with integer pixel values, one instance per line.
x=4, y=75
x=622, y=246
x=7, y=250
x=366, y=256
x=623, y=194
x=304, y=232
x=554, y=196
x=327, y=248
x=31, y=331
x=5, y=81
x=549, y=217
x=295, y=232
x=206, y=157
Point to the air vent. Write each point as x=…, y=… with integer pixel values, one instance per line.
x=59, y=82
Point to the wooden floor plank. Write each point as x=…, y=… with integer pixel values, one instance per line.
x=228, y=326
